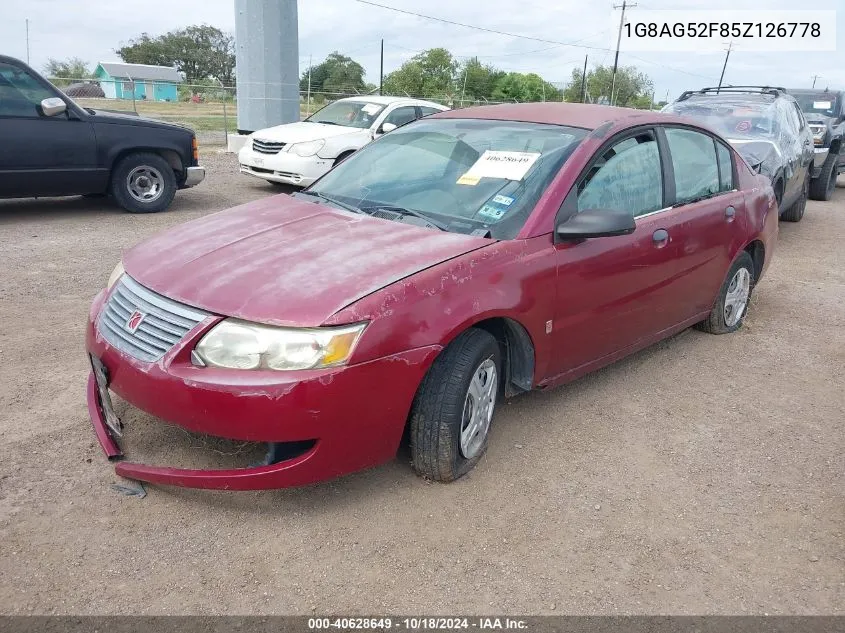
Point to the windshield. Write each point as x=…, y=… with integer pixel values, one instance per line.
x=733, y=120
x=464, y=175
x=348, y=113
x=819, y=103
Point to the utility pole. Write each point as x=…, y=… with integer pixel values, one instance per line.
x=625, y=5
x=725, y=65
x=381, y=70
x=814, y=80
x=584, y=82
x=27, y=41
x=308, y=98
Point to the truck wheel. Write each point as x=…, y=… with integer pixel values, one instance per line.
x=454, y=406
x=796, y=211
x=143, y=183
x=822, y=187
x=731, y=305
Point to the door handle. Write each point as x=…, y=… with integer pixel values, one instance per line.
x=730, y=212
x=660, y=236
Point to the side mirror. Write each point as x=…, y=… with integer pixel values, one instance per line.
x=388, y=127
x=53, y=106
x=596, y=223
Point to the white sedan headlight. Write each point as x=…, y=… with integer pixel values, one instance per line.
x=307, y=149
x=116, y=274
x=236, y=344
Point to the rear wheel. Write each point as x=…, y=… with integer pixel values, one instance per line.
x=454, y=407
x=143, y=183
x=796, y=211
x=822, y=187
x=731, y=305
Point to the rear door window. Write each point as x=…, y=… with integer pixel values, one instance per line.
x=694, y=163
x=726, y=168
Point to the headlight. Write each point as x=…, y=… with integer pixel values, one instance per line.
x=239, y=344
x=307, y=149
x=116, y=274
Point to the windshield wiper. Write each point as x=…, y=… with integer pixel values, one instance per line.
x=416, y=214
x=331, y=200
x=326, y=122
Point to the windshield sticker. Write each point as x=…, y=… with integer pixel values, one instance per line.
x=505, y=200
x=468, y=179
x=371, y=108
x=822, y=105
x=505, y=165
x=489, y=211
x=743, y=126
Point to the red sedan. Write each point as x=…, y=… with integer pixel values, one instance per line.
x=456, y=261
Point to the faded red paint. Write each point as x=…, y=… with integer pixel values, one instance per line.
x=290, y=262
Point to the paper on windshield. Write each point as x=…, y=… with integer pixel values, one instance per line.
x=371, y=108
x=505, y=165
x=822, y=105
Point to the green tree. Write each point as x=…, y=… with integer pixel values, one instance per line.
x=521, y=87
x=429, y=74
x=476, y=80
x=632, y=87
x=66, y=70
x=201, y=52
x=337, y=74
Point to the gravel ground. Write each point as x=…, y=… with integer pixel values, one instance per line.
x=703, y=475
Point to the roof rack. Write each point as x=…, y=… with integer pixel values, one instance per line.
x=771, y=90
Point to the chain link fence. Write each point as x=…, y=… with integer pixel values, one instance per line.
x=207, y=108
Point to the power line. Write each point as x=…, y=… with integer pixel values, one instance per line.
x=524, y=37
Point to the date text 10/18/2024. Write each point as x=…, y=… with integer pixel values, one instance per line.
x=417, y=624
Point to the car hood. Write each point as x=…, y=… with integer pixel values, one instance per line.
x=304, y=131
x=818, y=119
x=284, y=261
x=120, y=118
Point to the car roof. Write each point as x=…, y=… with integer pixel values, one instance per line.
x=387, y=100
x=581, y=115
x=813, y=91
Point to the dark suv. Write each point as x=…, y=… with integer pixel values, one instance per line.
x=825, y=112
x=767, y=127
x=51, y=146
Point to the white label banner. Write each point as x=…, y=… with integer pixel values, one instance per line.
x=707, y=30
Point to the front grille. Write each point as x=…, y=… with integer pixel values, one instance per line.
x=165, y=322
x=267, y=147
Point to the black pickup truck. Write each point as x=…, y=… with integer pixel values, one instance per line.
x=51, y=146
x=825, y=113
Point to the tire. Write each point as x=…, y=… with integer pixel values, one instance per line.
x=341, y=158
x=821, y=188
x=443, y=406
x=143, y=183
x=718, y=322
x=796, y=211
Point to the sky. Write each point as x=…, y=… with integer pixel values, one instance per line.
x=93, y=29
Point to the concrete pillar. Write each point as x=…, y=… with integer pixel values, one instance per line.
x=267, y=53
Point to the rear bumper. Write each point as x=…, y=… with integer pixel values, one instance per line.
x=354, y=415
x=195, y=175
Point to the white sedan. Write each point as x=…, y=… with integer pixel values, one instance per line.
x=299, y=153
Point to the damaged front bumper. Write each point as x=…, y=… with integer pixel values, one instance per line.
x=341, y=420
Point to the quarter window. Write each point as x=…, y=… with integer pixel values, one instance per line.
x=726, y=169
x=426, y=110
x=626, y=177
x=694, y=164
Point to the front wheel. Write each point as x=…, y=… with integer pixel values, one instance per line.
x=731, y=304
x=143, y=183
x=453, y=409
